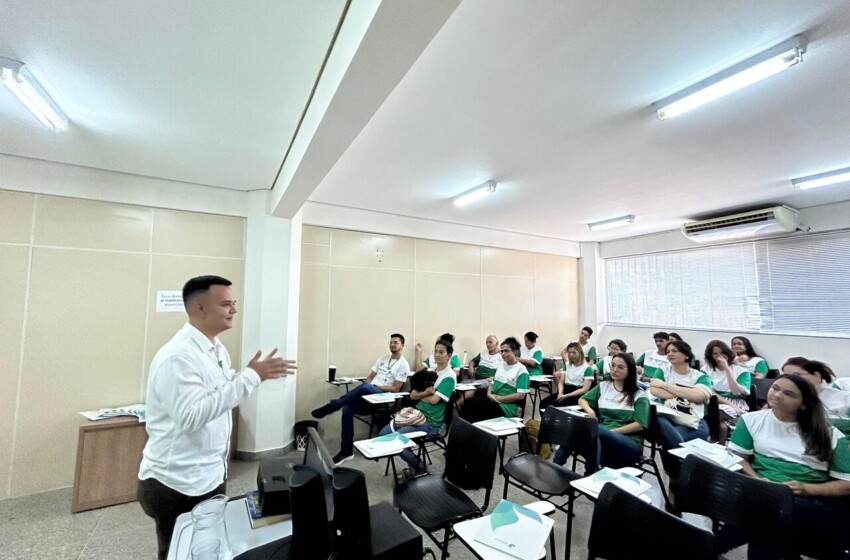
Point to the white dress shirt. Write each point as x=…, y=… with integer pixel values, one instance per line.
x=191, y=391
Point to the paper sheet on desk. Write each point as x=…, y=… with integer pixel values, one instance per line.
x=386, y=444
x=515, y=530
x=624, y=478
x=500, y=424
x=712, y=451
x=137, y=410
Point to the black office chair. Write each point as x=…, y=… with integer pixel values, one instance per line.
x=544, y=479
x=772, y=374
x=621, y=523
x=712, y=418
x=435, y=503
x=762, y=511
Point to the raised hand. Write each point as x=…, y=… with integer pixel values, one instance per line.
x=271, y=367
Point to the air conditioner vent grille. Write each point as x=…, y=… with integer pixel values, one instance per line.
x=731, y=221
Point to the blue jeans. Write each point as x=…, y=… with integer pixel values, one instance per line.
x=674, y=435
x=613, y=450
x=352, y=403
x=408, y=455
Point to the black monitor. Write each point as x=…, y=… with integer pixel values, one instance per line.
x=316, y=455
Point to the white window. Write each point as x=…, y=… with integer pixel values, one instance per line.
x=797, y=285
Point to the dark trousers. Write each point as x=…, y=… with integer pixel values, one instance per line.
x=673, y=435
x=352, y=403
x=164, y=505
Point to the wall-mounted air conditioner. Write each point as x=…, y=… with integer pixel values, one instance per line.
x=779, y=219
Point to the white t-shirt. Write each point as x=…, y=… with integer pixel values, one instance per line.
x=837, y=403
x=492, y=361
x=721, y=384
x=694, y=378
x=388, y=370
x=575, y=375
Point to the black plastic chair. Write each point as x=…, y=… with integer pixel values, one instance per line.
x=759, y=386
x=543, y=479
x=762, y=511
x=712, y=418
x=647, y=462
x=436, y=441
x=435, y=503
x=622, y=521
x=537, y=387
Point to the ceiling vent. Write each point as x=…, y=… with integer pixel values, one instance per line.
x=779, y=219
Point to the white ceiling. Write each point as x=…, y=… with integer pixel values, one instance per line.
x=549, y=98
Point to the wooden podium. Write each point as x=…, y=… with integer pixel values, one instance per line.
x=108, y=457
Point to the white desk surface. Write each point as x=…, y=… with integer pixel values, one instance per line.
x=466, y=531
x=242, y=537
x=582, y=485
x=497, y=428
x=383, y=398
x=345, y=380
x=683, y=452
x=369, y=455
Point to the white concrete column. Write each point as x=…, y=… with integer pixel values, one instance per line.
x=270, y=319
x=591, y=287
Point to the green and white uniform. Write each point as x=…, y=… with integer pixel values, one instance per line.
x=603, y=367
x=431, y=363
x=435, y=414
x=574, y=376
x=837, y=405
x=589, y=352
x=694, y=378
x=755, y=365
x=615, y=412
x=536, y=354
x=507, y=381
x=652, y=363
x=486, y=364
x=721, y=386
x=779, y=454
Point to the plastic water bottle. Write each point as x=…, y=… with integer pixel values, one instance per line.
x=463, y=359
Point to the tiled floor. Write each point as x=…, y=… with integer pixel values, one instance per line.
x=42, y=527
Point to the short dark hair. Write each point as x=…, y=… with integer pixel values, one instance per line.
x=682, y=347
x=201, y=284
x=661, y=335
x=447, y=344
x=674, y=335
x=620, y=344
x=589, y=330
x=398, y=336
x=531, y=335
x=511, y=343
x=447, y=336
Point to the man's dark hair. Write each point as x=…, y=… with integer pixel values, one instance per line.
x=660, y=335
x=200, y=284
x=398, y=336
x=589, y=331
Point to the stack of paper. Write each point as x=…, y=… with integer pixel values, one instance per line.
x=137, y=410
x=515, y=530
x=713, y=452
x=501, y=424
x=385, y=445
x=624, y=478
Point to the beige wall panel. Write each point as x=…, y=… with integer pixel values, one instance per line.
x=556, y=312
x=315, y=254
x=351, y=248
x=191, y=233
x=506, y=262
x=437, y=256
x=448, y=303
x=555, y=267
x=507, y=307
x=15, y=216
x=310, y=383
x=84, y=343
x=73, y=222
x=170, y=273
x=13, y=278
x=316, y=235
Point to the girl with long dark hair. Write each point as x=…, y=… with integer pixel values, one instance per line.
x=746, y=357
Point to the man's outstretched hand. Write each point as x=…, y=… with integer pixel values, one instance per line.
x=271, y=367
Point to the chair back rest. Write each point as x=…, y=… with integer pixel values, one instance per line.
x=712, y=418
x=311, y=535
x=578, y=433
x=352, y=522
x=622, y=521
x=760, y=386
x=761, y=510
x=547, y=366
x=470, y=456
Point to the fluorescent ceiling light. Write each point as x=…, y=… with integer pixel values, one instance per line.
x=822, y=179
x=612, y=223
x=474, y=193
x=750, y=71
x=18, y=79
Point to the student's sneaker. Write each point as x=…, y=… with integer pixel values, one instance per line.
x=342, y=457
x=322, y=411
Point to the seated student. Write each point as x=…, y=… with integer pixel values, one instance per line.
x=576, y=379
x=836, y=403
x=731, y=384
x=483, y=366
x=623, y=415
x=687, y=390
x=429, y=362
x=746, y=357
x=677, y=336
x=509, y=386
x=387, y=375
x=651, y=362
x=531, y=355
x=586, y=346
x=792, y=443
x=431, y=402
x=603, y=366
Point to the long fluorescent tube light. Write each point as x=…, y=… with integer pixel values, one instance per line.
x=822, y=179
x=750, y=71
x=17, y=78
x=475, y=193
x=612, y=223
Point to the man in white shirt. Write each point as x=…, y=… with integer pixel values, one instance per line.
x=387, y=376
x=191, y=391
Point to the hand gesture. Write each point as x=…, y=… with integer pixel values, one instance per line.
x=722, y=364
x=271, y=367
x=419, y=347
